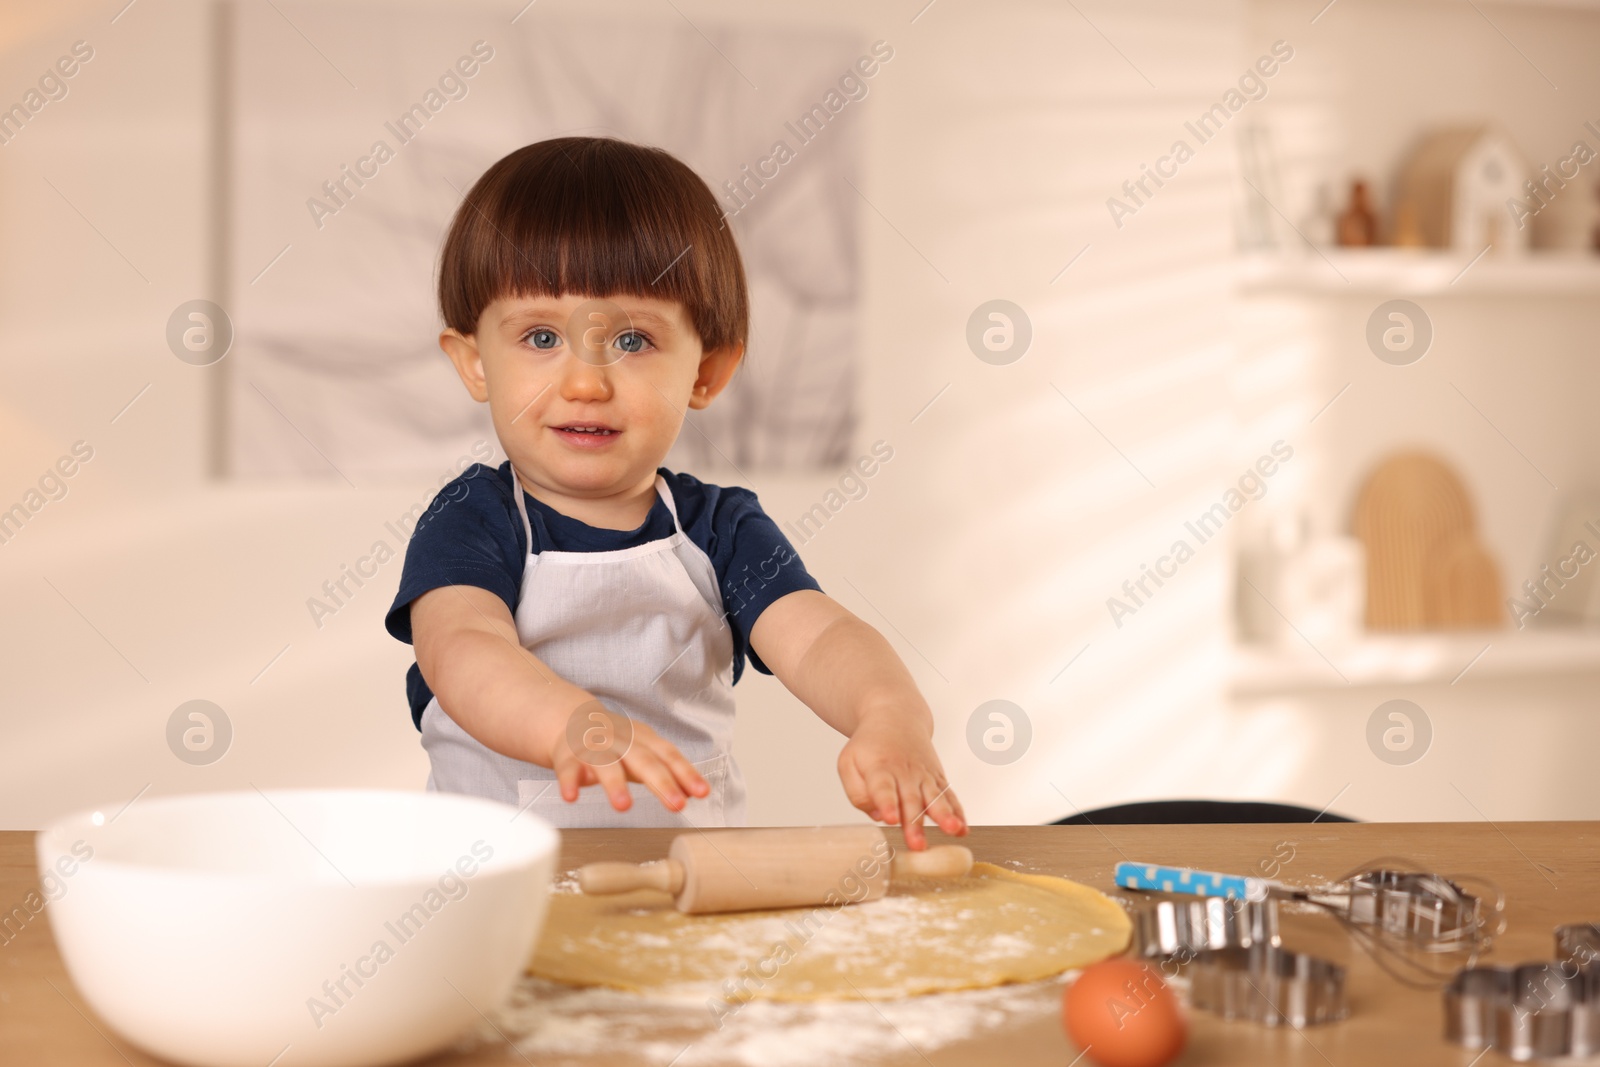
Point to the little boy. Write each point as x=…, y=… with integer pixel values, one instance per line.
x=580, y=614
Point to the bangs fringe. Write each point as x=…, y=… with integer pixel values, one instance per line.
x=594, y=217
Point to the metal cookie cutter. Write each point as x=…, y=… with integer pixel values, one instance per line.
x=1269, y=985
x=1400, y=917
x=1183, y=928
x=1535, y=1011
x=1579, y=942
x=1426, y=909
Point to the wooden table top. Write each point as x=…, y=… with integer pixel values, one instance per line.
x=1550, y=873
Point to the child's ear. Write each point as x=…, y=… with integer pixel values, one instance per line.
x=463, y=352
x=716, y=370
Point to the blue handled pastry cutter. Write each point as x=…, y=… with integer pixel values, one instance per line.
x=1158, y=878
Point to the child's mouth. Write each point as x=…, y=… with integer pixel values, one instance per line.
x=587, y=434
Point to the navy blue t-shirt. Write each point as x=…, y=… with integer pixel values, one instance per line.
x=471, y=534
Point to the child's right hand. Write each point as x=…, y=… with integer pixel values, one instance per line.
x=648, y=759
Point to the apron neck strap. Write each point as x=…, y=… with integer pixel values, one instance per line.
x=672, y=505
x=518, y=493
x=522, y=509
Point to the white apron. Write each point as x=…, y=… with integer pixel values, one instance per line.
x=641, y=628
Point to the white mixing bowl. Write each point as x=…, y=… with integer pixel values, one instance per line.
x=297, y=928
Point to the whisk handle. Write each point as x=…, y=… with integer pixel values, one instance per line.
x=1161, y=879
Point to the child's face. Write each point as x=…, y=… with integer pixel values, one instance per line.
x=588, y=394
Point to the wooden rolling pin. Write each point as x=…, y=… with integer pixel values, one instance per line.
x=736, y=870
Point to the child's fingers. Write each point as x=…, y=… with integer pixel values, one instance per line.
x=911, y=817
x=855, y=790
x=614, y=780
x=885, y=797
x=569, y=772
x=961, y=812
x=686, y=777
x=943, y=808
x=955, y=804
x=646, y=766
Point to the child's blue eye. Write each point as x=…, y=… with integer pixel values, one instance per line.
x=632, y=342
x=542, y=338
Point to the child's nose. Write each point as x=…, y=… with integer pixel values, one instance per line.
x=583, y=379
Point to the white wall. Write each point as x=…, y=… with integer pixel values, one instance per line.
x=985, y=549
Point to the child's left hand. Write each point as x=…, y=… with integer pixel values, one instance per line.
x=890, y=771
x=846, y=672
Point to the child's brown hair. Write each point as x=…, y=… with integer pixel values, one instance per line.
x=594, y=216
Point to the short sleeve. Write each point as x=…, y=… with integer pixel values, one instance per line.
x=764, y=568
x=464, y=537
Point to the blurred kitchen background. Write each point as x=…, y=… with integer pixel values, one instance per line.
x=1213, y=473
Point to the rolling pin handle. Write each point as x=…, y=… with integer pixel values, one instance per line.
x=603, y=879
x=943, y=861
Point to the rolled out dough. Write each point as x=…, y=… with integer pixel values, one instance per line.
x=990, y=928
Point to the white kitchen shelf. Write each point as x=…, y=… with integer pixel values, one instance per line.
x=1414, y=272
x=1414, y=659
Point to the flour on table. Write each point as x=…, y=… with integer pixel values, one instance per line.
x=549, y=1020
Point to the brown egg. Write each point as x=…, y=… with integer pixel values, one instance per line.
x=1123, y=1015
